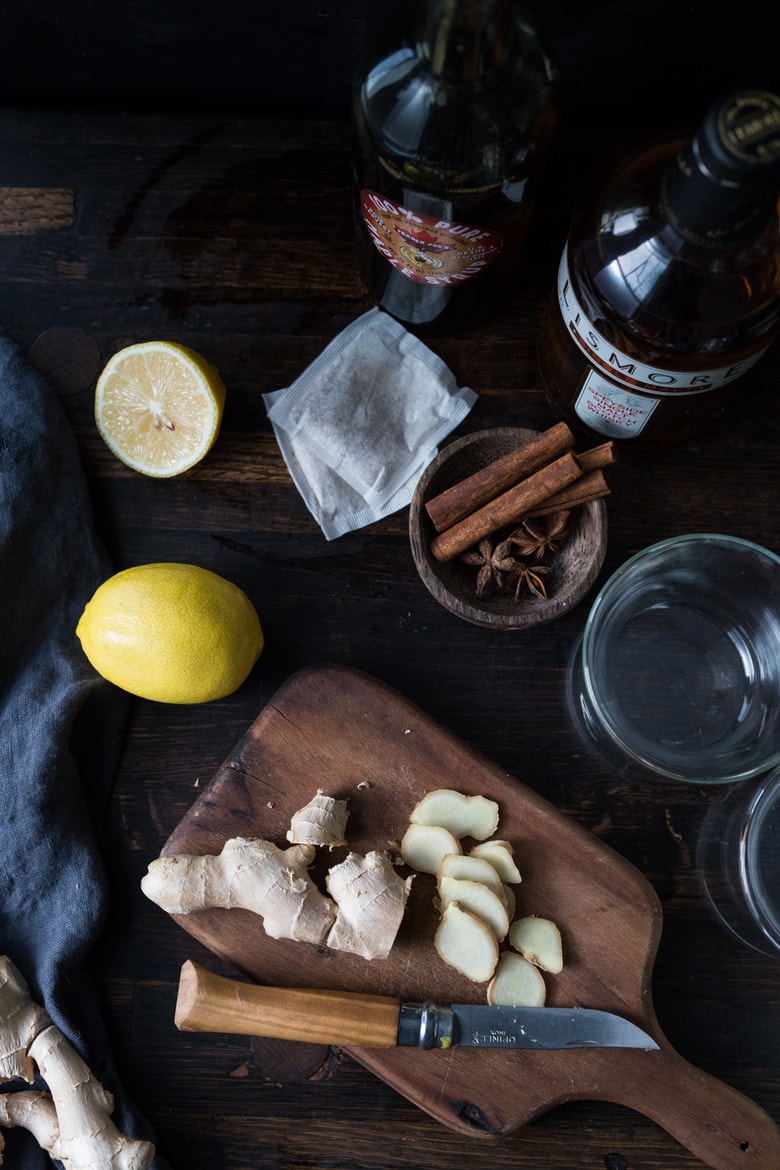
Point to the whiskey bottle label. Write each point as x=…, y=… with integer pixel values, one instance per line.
x=425, y=248
x=619, y=392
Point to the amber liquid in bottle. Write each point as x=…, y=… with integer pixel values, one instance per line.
x=669, y=286
x=451, y=128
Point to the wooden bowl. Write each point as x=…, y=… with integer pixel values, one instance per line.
x=573, y=568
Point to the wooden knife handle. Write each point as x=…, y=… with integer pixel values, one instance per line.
x=718, y=1124
x=211, y=1003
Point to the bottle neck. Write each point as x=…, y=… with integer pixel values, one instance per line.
x=719, y=216
x=721, y=190
x=464, y=41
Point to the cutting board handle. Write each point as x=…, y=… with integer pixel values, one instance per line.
x=721, y=1126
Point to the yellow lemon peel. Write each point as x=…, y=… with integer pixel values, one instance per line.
x=173, y=633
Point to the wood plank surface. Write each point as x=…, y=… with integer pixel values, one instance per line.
x=177, y=220
x=359, y=741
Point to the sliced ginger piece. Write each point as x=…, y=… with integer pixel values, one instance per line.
x=460, y=865
x=500, y=854
x=467, y=943
x=424, y=846
x=539, y=940
x=477, y=899
x=516, y=983
x=464, y=816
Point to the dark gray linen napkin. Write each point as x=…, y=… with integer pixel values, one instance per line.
x=54, y=711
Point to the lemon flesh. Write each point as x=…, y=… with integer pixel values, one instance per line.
x=158, y=407
x=173, y=633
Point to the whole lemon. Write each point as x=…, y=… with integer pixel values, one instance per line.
x=174, y=633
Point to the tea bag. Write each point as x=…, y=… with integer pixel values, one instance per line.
x=336, y=506
x=362, y=422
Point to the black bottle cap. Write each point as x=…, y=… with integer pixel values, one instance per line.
x=739, y=140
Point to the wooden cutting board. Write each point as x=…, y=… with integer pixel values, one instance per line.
x=348, y=734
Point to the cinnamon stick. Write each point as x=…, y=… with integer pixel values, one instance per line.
x=507, y=508
x=591, y=486
x=596, y=457
x=458, y=501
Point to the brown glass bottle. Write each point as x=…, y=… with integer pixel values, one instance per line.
x=451, y=123
x=669, y=285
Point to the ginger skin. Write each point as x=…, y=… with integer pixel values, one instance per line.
x=250, y=874
x=371, y=898
x=362, y=915
x=22, y=1019
x=72, y=1120
x=322, y=821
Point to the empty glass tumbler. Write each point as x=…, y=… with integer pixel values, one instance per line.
x=738, y=861
x=678, y=670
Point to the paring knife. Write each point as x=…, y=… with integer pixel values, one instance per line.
x=211, y=1003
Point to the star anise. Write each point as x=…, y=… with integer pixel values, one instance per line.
x=540, y=535
x=531, y=577
x=496, y=564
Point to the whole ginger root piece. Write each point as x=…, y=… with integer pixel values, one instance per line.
x=251, y=874
x=22, y=1020
x=32, y=1110
x=370, y=901
x=72, y=1120
x=87, y=1138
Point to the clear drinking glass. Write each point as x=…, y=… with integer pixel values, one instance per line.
x=738, y=861
x=678, y=670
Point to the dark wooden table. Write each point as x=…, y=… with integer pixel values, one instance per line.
x=235, y=237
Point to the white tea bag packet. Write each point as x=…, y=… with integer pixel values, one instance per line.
x=361, y=423
x=336, y=506
x=372, y=404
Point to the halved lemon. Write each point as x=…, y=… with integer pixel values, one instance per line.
x=158, y=407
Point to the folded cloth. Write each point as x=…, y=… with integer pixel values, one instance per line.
x=60, y=731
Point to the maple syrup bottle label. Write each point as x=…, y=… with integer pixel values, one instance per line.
x=619, y=393
x=425, y=248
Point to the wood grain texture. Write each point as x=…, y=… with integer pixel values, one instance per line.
x=368, y=745
x=178, y=221
x=210, y=1003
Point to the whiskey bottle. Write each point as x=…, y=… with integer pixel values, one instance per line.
x=668, y=288
x=452, y=123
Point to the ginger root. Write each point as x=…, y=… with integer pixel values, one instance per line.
x=22, y=1020
x=467, y=943
x=516, y=983
x=476, y=898
x=322, y=821
x=500, y=855
x=72, y=1120
x=473, y=869
x=539, y=941
x=251, y=874
x=464, y=816
x=370, y=898
x=363, y=914
x=425, y=846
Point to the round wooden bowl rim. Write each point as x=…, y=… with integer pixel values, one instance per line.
x=502, y=612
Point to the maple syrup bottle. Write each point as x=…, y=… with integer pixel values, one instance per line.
x=669, y=286
x=452, y=123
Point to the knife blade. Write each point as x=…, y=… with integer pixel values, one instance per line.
x=211, y=1003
